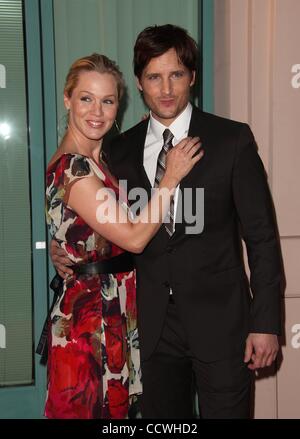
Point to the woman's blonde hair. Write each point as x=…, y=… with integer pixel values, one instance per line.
x=93, y=63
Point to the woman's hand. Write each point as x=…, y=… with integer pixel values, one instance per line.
x=182, y=158
x=60, y=259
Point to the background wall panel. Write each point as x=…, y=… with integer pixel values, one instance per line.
x=256, y=49
x=111, y=27
x=289, y=372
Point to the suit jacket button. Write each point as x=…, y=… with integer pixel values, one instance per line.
x=166, y=284
x=170, y=250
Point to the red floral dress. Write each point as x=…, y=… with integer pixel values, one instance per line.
x=94, y=362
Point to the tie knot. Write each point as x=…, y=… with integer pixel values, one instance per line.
x=168, y=137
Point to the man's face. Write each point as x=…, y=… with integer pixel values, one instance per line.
x=165, y=83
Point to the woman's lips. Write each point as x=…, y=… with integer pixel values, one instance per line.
x=94, y=124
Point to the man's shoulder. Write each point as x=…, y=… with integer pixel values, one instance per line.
x=137, y=130
x=138, y=127
x=215, y=120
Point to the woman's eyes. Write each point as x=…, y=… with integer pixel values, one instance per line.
x=85, y=99
x=89, y=99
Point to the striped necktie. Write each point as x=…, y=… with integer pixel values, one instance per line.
x=160, y=170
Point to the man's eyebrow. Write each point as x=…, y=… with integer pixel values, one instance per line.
x=180, y=70
x=152, y=73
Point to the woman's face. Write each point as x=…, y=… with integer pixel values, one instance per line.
x=93, y=105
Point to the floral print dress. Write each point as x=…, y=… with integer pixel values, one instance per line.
x=93, y=362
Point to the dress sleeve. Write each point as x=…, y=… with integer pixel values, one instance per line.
x=78, y=167
x=68, y=169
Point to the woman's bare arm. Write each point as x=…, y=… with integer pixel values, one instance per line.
x=99, y=208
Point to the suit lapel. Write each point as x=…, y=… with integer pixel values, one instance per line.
x=139, y=140
x=195, y=129
x=196, y=122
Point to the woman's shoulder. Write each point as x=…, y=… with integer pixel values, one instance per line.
x=73, y=164
x=66, y=169
x=66, y=159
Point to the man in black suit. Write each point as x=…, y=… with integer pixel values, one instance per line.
x=199, y=325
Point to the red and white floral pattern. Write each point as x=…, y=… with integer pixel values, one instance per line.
x=94, y=363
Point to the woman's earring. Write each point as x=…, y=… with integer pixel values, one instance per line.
x=63, y=125
x=67, y=118
x=117, y=126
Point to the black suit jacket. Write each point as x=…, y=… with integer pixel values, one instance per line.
x=206, y=270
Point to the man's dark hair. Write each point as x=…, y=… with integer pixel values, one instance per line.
x=156, y=40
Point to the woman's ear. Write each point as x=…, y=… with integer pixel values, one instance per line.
x=66, y=102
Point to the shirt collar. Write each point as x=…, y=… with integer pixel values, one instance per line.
x=178, y=128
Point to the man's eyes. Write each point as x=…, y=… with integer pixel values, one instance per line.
x=151, y=77
x=173, y=75
x=178, y=74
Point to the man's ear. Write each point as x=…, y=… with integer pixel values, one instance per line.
x=193, y=78
x=138, y=84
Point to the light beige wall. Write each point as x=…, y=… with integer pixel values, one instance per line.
x=257, y=81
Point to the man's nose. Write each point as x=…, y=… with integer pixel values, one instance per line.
x=166, y=86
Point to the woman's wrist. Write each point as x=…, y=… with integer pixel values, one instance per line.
x=169, y=182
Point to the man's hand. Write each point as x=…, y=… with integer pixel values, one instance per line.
x=261, y=349
x=60, y=260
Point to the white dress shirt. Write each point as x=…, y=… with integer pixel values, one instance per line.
x=154, y=142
